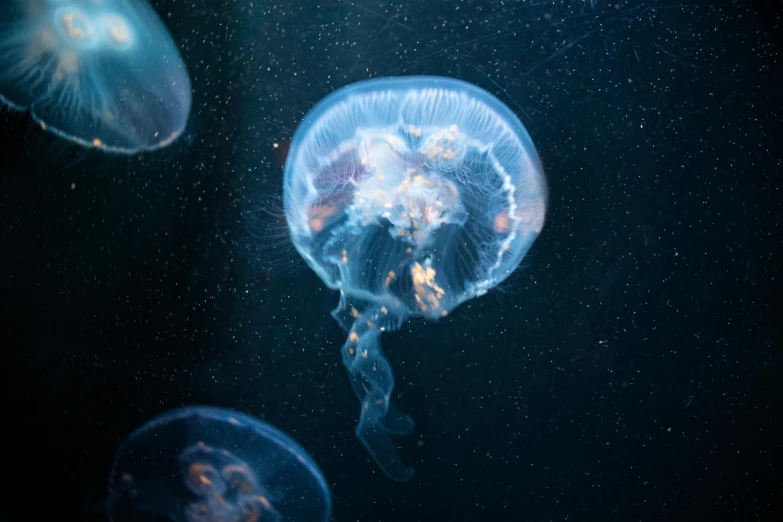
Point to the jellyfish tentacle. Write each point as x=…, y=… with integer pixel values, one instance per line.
x=372, y=381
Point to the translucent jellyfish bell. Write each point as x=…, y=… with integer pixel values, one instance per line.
x=410, y=196
x=101, y=73
x=202, y=464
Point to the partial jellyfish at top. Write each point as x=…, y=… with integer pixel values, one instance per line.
x=104, y=74
x=204, y=464
x=409, y=195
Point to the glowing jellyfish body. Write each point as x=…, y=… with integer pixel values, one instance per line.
x=410, y=196
x=101, y=73
x=202, y=464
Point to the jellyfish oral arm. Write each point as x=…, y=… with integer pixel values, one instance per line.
x=372, y=381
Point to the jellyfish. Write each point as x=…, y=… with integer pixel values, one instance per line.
x=204, y=464
x=103, y=74
x=409, y=195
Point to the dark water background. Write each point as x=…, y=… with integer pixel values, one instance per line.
x=631, y=370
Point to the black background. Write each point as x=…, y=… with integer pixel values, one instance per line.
x=629, y=370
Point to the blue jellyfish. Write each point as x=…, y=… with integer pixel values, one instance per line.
x=203, y=464
x=410, y=196
x=101, y=73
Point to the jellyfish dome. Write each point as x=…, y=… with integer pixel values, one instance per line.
x=203, y=464
x=410, y=196
x=103, y=74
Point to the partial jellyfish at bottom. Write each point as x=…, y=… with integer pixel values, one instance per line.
x=409, y=195
x=204, y=464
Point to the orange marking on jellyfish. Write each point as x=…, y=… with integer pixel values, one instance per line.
x=118, y=30
x=318, y=215
x=73, y=30
x=502, y=223
x=316, y=225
